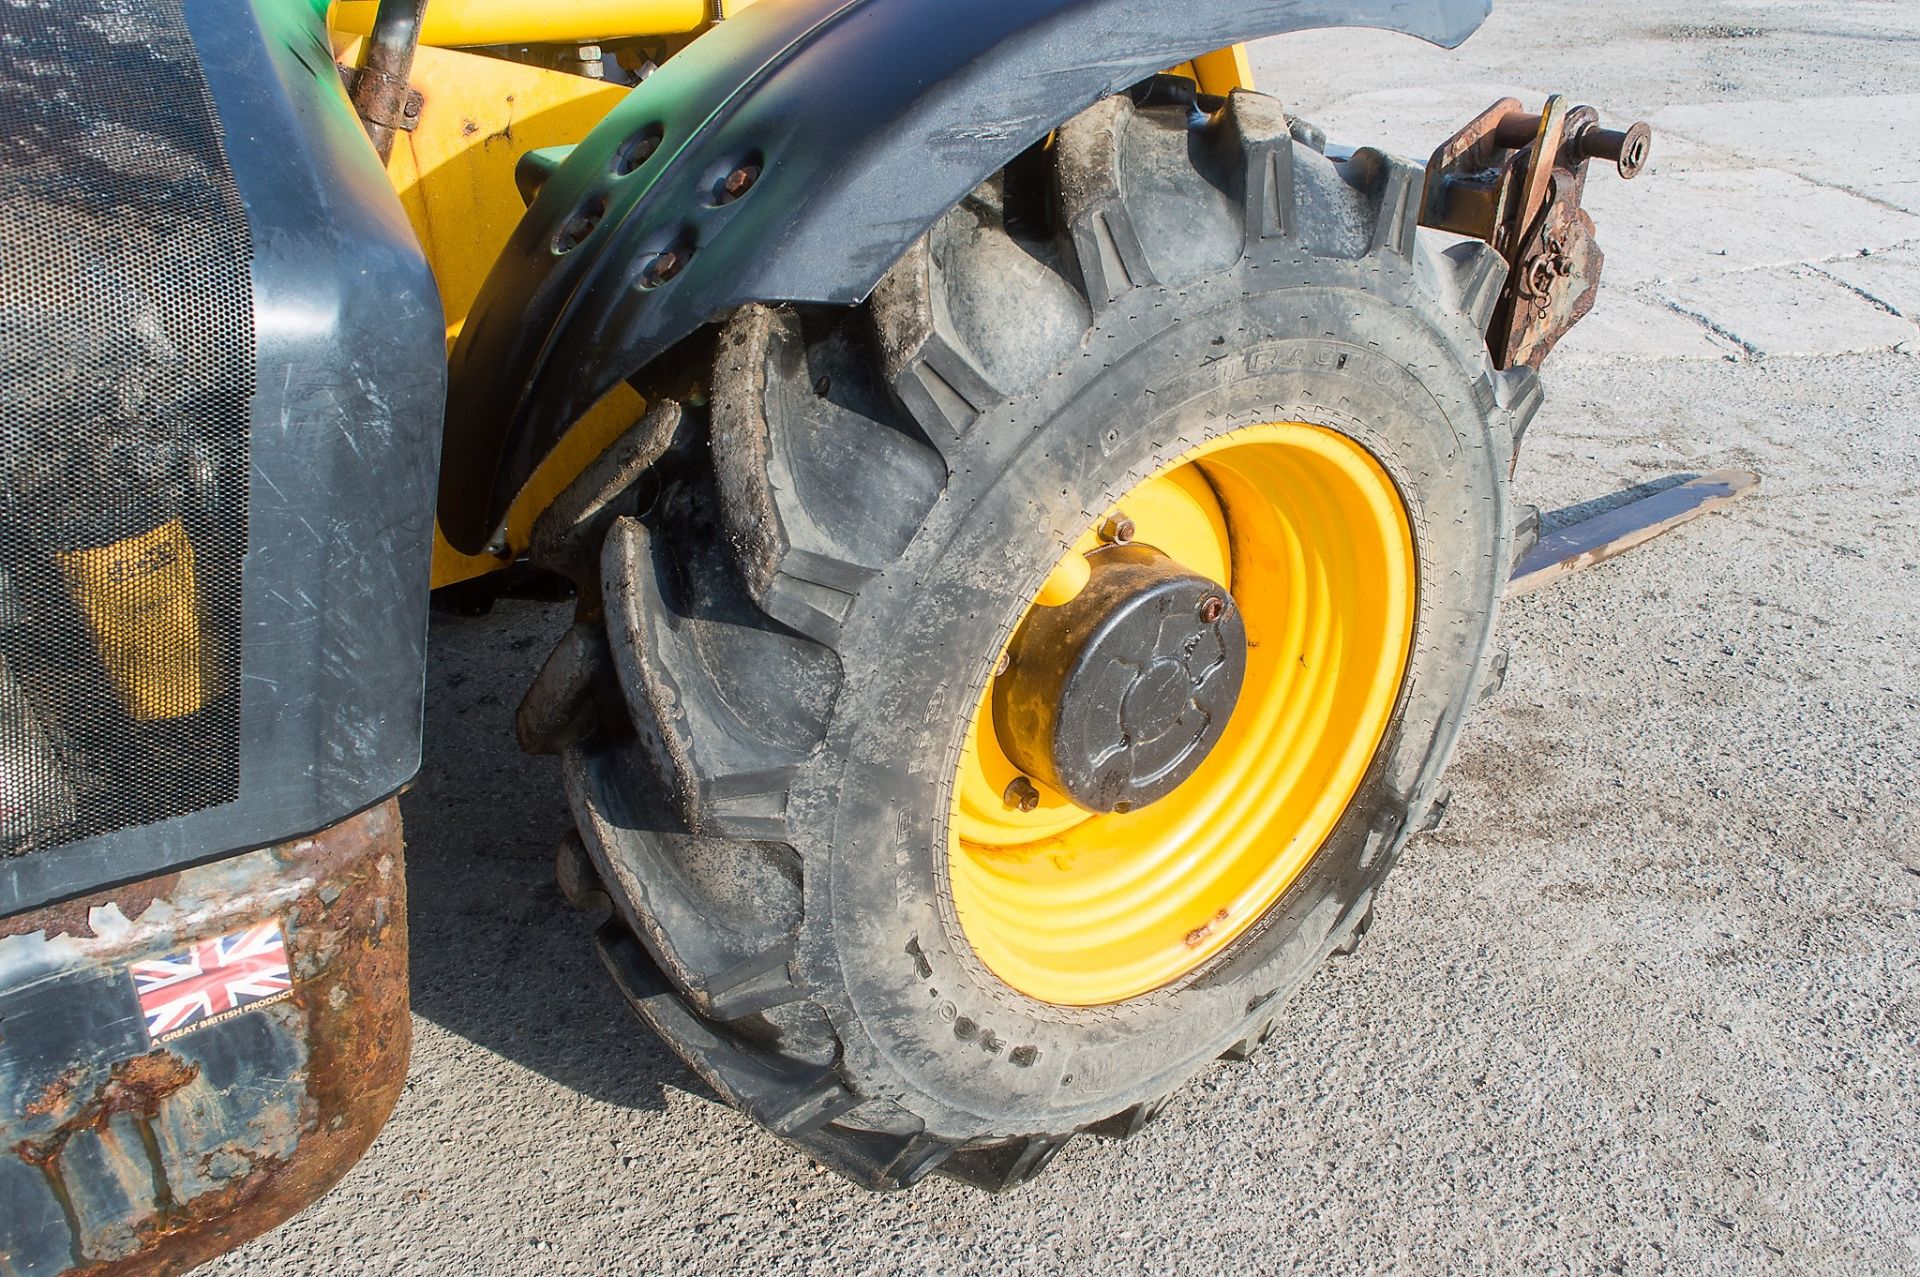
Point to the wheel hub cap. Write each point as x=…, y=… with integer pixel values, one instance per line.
x=1117, y=696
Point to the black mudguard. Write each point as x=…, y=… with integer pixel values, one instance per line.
x=867, y=119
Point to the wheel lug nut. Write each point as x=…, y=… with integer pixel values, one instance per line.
x=1117, y=530
x=1212, y=608
x=1021, y=795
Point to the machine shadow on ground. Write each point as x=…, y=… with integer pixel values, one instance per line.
x=499, y=957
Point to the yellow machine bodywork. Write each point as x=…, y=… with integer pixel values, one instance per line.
x=454, y=173
x=455, y=23
x=480, y=113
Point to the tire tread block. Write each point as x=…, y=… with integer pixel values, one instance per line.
x=1004, y=1165
x=818, y=490
x=727, y=950
x=1258, y=126
x=567, y=536
x=936, y=381
x=559, y=707
x=1478, y=274
x=1105, y=244
x=1129, y=1122
x=727, y=710
x=791, y=1103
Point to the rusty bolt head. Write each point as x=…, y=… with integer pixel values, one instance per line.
x=1212, y=608
x=740, y=181
x=1021, y=795
x=574, y=233
x=665, y=267
x=637, y=151
x=1117, y=530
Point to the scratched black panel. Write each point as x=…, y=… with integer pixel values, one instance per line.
x=328, y=479
x=126, y=371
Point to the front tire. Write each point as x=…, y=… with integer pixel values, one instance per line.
x=790, y=629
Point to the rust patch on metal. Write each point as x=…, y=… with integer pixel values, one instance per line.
x=1515, y=180
x=135, y=1086
x=1198, y=936
x=342, y=895
x=1558, y=279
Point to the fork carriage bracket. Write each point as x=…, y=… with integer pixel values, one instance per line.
x=1515, y=179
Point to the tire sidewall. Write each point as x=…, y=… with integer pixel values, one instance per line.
x=920, y=1017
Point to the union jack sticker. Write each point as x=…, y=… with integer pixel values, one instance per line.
x=214, y=980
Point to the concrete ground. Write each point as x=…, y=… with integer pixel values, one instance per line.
x=1649, y=1002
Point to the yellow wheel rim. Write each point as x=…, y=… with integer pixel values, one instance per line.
x=1310, y=536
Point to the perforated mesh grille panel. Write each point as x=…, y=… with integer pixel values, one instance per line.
x=126, y=369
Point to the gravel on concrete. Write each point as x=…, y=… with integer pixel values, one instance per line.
x=1648, y=1002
